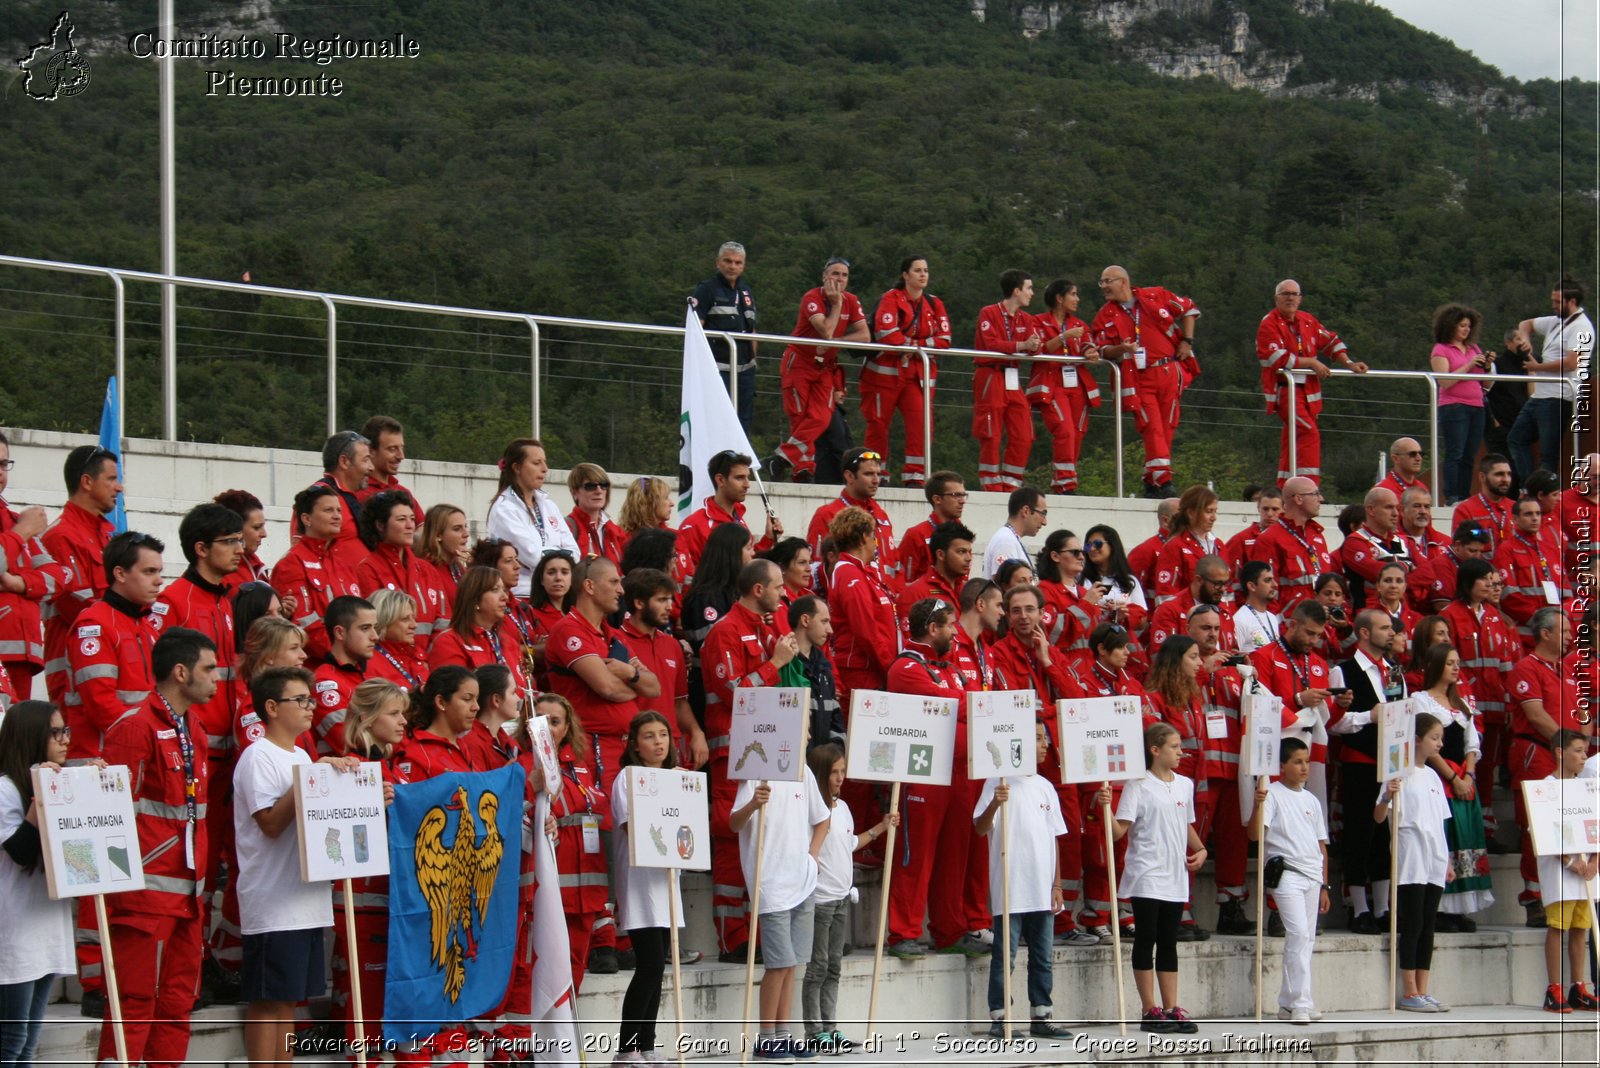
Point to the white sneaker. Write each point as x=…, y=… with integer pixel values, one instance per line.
x=654, y=1056
x=984, y=935
x=1300, y=1016
x=627, y=1057
x=1312, y=1015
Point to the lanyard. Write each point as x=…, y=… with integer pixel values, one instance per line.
x=191, y=784
x=412, y=679
x=1493, y=515
x=1268, y=625
x=1311, y=554
x=494, y=643
x=1544, y=565
x=570, y=773
x=1303, y=677
x=1108, y=682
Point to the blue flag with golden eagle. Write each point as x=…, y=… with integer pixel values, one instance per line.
x=454, y=860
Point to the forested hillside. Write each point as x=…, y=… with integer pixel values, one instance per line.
x=586, y=159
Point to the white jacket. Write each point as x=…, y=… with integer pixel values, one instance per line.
x=511, y=520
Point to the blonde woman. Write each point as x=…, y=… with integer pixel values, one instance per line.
x=648, y=504
x=443, y=543
x=397, y=657
x=593, y=529
x=272, y=641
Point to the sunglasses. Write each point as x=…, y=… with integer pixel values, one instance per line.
x=1095, y=545
x=592, y=486
x=1074, y=552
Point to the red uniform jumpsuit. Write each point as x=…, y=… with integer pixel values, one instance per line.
x=389, y=567
x=1529, y=570
x=347, y=544
x=1221, y=694
x=934, y=847
x=1281, y=345
x=1537, y=679
x=599, y=537
x=334, y=685
x=1494, y=516
x=697, y=527
x=313, y=575
x=914, y=558
x=156, y=932
x=584, y=882
x=1489, y=649
x=1099, y=680
x=1063, y=393
x=811, y=376
x=866, y=639
x=999, y=402
x=887, y=562
x=208, y=608
x=21, y=628
x=1176, y=562
x=1298, y=555
x=737, y=652
x=1151, y=393
x=1190, y=723
x=76, y=541
x=892, y=381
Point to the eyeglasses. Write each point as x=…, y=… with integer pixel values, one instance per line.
x=234, y=540
x=6, y=465
x=304, y=700
x=1290, y=293
x=1042, y=513
x=590, y=487
x=61, y=734
x=961, y=496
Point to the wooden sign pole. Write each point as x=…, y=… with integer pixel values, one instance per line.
x=1116, y=917
x=677, y=970
x=1261, y=894
x=1394, y=903
x=883, y=914
x=755, y=929
x=355, y=974
x=113, y=994
x=1005, y=911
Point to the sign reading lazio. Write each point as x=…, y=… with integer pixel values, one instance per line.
x=1101, y=739
x=901, y=737
x=343, y=831
x=669, y=812
x=768, y=739
x=86, y=826
x=1000, y=733
x=1563, y=815
x=1396, y=722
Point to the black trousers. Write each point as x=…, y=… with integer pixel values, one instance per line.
x=1419, y=904
x=642, y=1003
x=1155, y=931
x=1363, y=843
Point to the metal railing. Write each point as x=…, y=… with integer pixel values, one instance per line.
x=536, y=324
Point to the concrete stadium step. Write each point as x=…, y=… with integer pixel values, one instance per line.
x=1497, y=971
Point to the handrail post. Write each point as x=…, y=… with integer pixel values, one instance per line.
x=733, y=373
x=533, y=366
x=927, y=414
x=333, y=357
x=1291, y=424
x=120, y=367
x=1116, y=417
x=1433, y=431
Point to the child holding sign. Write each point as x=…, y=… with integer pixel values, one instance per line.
x=1424, y=861
x=33, y=733
x=643, y=908
x=1297, y=839
x=1034, y=872
x=796, y=824
x=1156, y=814
x=1564, y=890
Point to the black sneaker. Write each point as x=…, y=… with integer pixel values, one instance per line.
x=1535, y=912
x=1231, y=919
x=997, y=1029
x=1466, y=924
x=737, y=954
x=1275, y=926
x=1192, y=932
x=626, y=960
x=93, y=1005
x=1366, y=924
x=777, y=465
x=218, y=985
x=1041, y=1027
x=603, y=960
x=1156, y=1023
x=1181, y=1023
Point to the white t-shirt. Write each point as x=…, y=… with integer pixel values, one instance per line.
x=1158, y=841
x=1424, y=852
x=1034, y=815
x=641, y=892
x=1295, y=829
x=1448, y=716
x=271, y=895
x=788, y=872
x=1591, y=768
x=38, y=941
x=1003, y=545
x=836, y=868
x=1558, y=341
x=1254, y=630
x=1557, y=882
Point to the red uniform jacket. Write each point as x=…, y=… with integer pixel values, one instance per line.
x=1525, y=567
x=1286, y=676
x=1298, y=555
x=886, y=563
x=1488, y=648
x=1176, y=562
x=917, y=671
x=899, y=321
x=1425, y=546
x=932, y=584
x=1016, y=668
x=1068, y=619
x=375, y=486
x=390, y=568
x=421, y=755
x=1051, y=381
x=21, y=625
x=403, y=665
x=697, y=527
x=76, y=541
x=313, y=575
x=1577, y=522
x=109, y=659
x=1283, y=344
x=1222, y=694
x=334, y=685
x=915, y=559
x=1432, y=585
x=737, y=652
x=1364, y=554
x=1173, y=618
x=598, y=538
x=1397, y=485
x=486, y=750
x=1004, y=333
x=865, y=630
x=199, y=605
x=1495, y=516
x=1190, y=723
x=150, y=742
x=1155, y=323
x=1142, y=562
x=583, y=874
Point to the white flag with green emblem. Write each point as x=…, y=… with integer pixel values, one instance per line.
x=707, y=422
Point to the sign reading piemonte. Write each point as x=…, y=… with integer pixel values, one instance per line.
x=669, y=813
x=1101, y=739
x=901, y=737
x=1000, y=732
x=1563, y=815
x=1396, y=722
x=768, y=739
x=87, y=829
x=344, y=832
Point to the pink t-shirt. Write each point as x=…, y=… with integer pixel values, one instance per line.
x=1468, y=393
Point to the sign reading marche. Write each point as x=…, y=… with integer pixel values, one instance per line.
x=1000, y=733
x=1396, y=744
x=343, y=830
x=1563, y=815
x=768, y=739
x=86, y=824
x=670, y=812
x=901, y=737
x=1101, y=739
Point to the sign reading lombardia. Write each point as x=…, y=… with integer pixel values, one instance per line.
x=768, y=739
x=1000, y=733
x=669, y=812
x=901, y=737
x=1101, y=739
x=1563, y=815
x=344, y=832
x=86, y=825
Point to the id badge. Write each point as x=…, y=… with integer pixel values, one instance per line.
x=591, y=834
x=188, y=845
x=1069, y=377
x=1216, y=726
x=1551, y=594
x=1013, y=381
x=1140, y=360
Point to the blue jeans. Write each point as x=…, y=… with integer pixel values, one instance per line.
x=21, y=1011
x=1543, y=418
x=1037, y=929
x=1460, y=434
x=747, y=395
